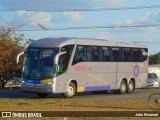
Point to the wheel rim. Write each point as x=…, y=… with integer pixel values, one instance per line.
x=123, y=88
x=131, y=86
x=70, y=90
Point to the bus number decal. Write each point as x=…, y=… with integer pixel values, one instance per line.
x=136, y=70
x=80, y=68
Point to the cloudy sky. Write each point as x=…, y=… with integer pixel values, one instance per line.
x=64, y=18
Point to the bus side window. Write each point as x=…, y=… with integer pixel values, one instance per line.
x=80, y=55
x=68, y=49
x=94, y=53
x=126, y=55
x=144, y=54
x=106, y=54
x=89, y=55
x=116, y=54
x=135, y=55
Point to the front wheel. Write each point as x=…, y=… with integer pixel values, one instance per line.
x=71, y=90
x=154, y=101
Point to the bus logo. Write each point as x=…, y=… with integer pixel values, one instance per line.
x=136, y=70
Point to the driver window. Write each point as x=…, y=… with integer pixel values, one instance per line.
x=62, y=64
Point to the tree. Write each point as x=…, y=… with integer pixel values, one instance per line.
x=8, y=67
x=152, y=59
x=158, y=58
x=9, y=48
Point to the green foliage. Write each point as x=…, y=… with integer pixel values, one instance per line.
x=154, y=59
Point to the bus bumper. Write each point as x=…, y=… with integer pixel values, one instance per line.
x=35, y=88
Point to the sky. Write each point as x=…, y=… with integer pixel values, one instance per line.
x=68, y=18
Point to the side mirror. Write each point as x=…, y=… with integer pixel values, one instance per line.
x=18, y=56
x=56, y=60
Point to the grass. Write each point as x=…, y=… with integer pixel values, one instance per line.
x=50, y=104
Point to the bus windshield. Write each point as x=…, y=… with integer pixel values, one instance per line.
x=39, y=63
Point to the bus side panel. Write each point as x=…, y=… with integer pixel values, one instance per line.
x=75, y=72
x=101, y=74
x=90, y=76
x=142, y=74
x=125, y=70
x=138, y=71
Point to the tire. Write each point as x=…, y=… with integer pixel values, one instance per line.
x=130, y=86
x=154, y=101
x=71, y=90
x=42, y=95
x=123, y=87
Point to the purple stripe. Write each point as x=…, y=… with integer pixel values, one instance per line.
x=97, y=88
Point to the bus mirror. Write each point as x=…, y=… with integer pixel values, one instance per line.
x=18, y=56
x=56, y=60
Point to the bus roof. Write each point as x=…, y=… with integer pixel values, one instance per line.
x=62, y=41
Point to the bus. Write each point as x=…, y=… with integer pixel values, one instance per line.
x=72, y=65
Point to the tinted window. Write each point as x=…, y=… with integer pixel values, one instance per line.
x=80, y=54
x=135, y=55
x=144, y=54
x=126, y=56
x=94, y=53
x=105, y=54
x=68, y=49
x=116, y=54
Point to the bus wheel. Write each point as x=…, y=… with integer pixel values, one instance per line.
x=71, y=90
x=123, y=87
x=130, y=86
x=42, y=95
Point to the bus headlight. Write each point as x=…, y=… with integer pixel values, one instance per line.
x=46, y=81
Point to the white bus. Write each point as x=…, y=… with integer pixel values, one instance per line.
x=71, y=65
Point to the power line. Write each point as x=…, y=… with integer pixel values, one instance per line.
x=98, y=9
x=94, y=27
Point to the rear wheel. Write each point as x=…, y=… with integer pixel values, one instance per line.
x=123, y=87
x=71, y=90
x=42, y=95
x=130, y=86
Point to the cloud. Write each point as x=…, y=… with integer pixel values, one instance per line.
x=20, y=12
x=139, y=2
x=151, y=30
x=130, y=22
x=105, y=35
x=40, y=18
x=146, y=17
x=73, y=16
x=157, y=16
